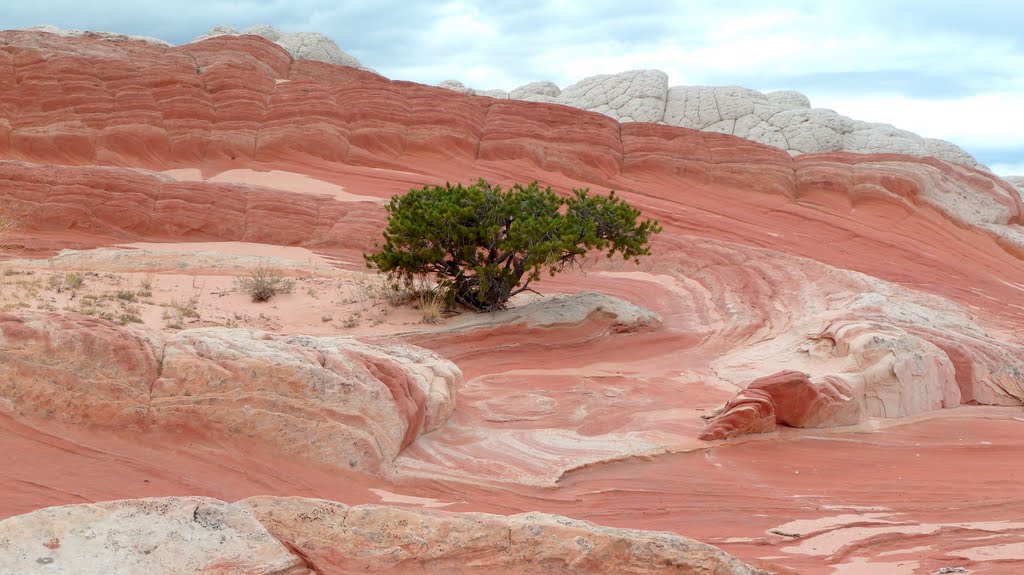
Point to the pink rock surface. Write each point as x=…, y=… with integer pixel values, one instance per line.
x=334, y=400
x=336, y=538
x=158, y=536
x=898, y=278
x=751, y=411
x=299, y=536
x=799, y=402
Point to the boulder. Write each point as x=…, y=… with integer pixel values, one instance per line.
x=544, y=90
x=380, y=539
x=315, y=46
x=160, y=536
x=751, y=411
x=456, y=86
x=799, y=402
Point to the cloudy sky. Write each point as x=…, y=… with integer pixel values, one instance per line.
x=948, y=69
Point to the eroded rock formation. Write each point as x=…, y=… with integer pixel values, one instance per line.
x=301, y=45
x=338, y=401
x=298, y=536
x=781, y=119
x=157, y=536
x=891, y=280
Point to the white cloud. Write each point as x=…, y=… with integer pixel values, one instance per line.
x=1012, y=169
x=983, y=121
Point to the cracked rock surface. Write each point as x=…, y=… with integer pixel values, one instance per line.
x=783, y=119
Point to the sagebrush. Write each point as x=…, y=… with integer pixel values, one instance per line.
x=264, y=283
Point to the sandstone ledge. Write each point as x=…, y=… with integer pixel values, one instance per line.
x=299, y=536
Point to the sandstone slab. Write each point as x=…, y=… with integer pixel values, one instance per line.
x=335, y=400
x=157, y=536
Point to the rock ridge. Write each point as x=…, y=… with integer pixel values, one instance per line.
x=336, y=400
x=782, y=119
x=299, y=536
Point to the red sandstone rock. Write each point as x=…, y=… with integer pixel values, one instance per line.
x=802, y=403
x=751, y=411
x=334, y=400
x=299, y=536
x=337, y=538
x=758, y=265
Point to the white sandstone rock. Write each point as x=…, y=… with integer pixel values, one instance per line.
x=635, y=96
x=456, y=86
x=159, y=536
x=788, y=99
x=565, y=310
x=316, y=46
x=217, y=31
x=499, y=94
x=1017, y=182
x=268, y=32
x=544, y=89
x=301, y=45
x=112, y=36
x=783, y=119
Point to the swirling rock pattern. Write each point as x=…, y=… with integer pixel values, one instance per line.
x=893, y=279
x=301, y=45
x=782, y=119
x=334, y=400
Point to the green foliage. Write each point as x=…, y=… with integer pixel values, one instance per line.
x=487, y=244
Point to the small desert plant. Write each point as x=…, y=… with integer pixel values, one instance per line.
x=186, y=308
x=146, y=286
x=129, y=316
x=264, y=283
x=387, y=287
x=126, y=295
x=69, y=281
x=432, y=305
x=8, y=223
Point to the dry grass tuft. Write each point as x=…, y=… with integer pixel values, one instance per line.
x=264, y=283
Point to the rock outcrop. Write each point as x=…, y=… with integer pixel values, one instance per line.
x=891, y=280
x=335, y=400
x=1017, y=182
x=109, y=36
x=785, y=398
x=799, y=402
x=156, y=536
x=297, y=536
x=782, y=119
x=301, y=45
x=751, y=411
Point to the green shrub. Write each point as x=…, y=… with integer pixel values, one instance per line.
x=486, y=244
